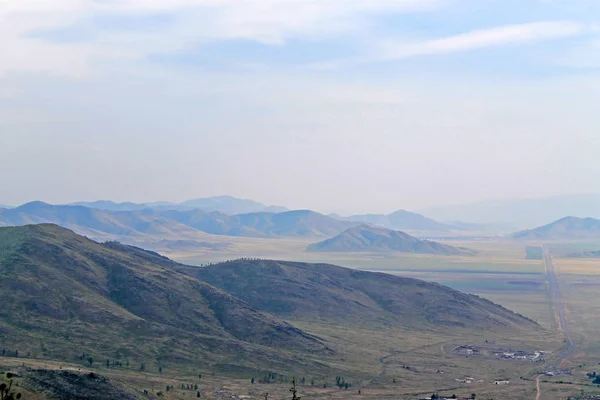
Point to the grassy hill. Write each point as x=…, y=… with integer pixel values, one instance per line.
x=64, y=295
x=336, y=295
x=563, y=229
x=367, y=238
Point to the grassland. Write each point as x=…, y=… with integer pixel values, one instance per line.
x=398, y=363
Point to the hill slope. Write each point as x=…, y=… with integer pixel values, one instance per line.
x=564, y=228
x=76, y=295
x=344, y=296
x=367, y=238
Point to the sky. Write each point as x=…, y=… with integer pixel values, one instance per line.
x=335, y=105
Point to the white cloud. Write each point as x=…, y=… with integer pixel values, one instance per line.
x=499, y=36
x=267, y=21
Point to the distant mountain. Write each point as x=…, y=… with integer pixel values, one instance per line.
x=368, y=238
x=289, y=223
x=174, y=224
x=109, y=300
x=563, y=229
x=231, y=205
x=95, y=222
x=111, y=205
x=336, y=295
x=520, y=213
x=402, y=220
x=223, y=204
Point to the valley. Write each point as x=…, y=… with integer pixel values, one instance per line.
x=231, y=312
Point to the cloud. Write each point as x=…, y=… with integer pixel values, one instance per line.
x=25, y=48
x=75, y=37
x=499, y=36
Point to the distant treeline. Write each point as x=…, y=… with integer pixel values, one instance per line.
x=237, y=260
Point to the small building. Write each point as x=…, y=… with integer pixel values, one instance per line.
x=502, y=382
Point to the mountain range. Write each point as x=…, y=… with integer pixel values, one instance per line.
x=369, y=238
x=223, y=204
x=63, y=295
x=564, y=229
x=523, y=213
x=174, y=223
x=402, y=220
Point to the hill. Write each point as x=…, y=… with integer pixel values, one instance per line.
x=175, y=224
x=563, y=229
x=64, y=295
x=367, y=238
x=402, y=220
x=336, y=295
x=520, y=213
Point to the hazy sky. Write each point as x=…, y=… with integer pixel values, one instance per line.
x=335, y=105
